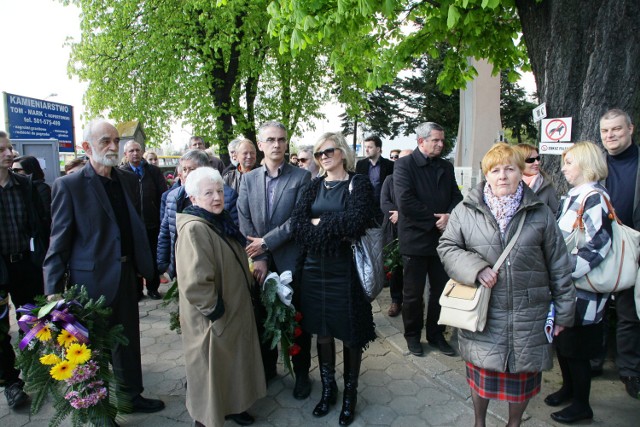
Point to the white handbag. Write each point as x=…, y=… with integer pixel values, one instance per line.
x=465, y=306
x=619, y=268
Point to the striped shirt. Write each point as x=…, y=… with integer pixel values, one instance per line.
x=589, y=306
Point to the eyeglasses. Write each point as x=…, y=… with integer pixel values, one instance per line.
x=531, y=159
x=394, y=156
x=302, y=160
x=17, y=169
x=329, y=152
x=274, y=140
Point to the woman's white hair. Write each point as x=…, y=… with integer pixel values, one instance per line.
x=202, y=174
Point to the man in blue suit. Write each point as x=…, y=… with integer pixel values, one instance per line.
x=98, y=236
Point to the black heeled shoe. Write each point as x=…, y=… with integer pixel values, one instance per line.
x=573, y=413
x=558, y=398
x=243, y=418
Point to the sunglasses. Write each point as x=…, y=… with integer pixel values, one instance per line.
x=394, y=157
x=329, y=152
x=531, y=159
x=302, y=160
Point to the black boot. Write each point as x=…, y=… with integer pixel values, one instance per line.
x=327, y=362
x=352, y=358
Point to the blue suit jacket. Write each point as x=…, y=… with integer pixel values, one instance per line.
x=85, y=237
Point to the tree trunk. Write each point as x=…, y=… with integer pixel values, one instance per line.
x=585, y=56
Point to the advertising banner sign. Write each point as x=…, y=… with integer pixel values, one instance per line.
x=31, y=118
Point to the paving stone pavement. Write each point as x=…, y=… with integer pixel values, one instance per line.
x=396, y=389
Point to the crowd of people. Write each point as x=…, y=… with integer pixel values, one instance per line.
x=115, y=226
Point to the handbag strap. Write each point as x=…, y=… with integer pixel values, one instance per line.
x=511, y=244
x=579, y=223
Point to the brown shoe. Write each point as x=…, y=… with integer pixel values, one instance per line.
x=394, y=309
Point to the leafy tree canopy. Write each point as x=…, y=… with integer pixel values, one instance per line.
x=376, y=39
x=208, y=64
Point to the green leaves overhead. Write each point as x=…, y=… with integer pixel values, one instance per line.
x=376, y=39
x=198, y=61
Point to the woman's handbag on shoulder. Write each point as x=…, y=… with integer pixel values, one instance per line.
x=367, y=254
x=464, y=305
x=619, y=268
x=367, y=257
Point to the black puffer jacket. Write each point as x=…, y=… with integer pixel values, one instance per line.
x=536, y=272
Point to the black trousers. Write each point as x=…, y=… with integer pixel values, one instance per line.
x=154, y=283
x=25, y=282
x=396, y=285
x=126, y=359
x=416, y=271
x=627, y=335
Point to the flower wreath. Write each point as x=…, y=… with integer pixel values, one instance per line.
x=282, y=322
x=65, y=354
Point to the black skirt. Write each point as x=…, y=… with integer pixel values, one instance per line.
x=580, y=342
x=332, y=301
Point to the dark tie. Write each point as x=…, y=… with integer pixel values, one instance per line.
x=139, y=171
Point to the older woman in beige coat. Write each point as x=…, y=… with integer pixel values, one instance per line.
x=221, y=344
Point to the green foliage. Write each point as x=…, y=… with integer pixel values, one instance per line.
x=377, y=39
x=413, y=98
x=280, y=325
x=172, y=298
x=516, y=112
x=194, y=60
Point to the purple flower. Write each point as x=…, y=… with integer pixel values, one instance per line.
x=83, y=373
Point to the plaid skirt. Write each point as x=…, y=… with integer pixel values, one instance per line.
x=513, y=388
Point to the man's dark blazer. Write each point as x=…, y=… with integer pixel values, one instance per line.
x=85, y=237
x=386, y=167
x=419, y=198
x=152, y=186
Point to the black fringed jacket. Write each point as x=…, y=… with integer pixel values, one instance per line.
x=335, y=227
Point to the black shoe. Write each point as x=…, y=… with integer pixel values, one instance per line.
x=16, y=397
x=571, y=414
x=269, y=376
x=558, y=398
x=302, y=389
x=154, y=294
x=443, y=346
x=415, y=347
x=144, y=405
x=243, y=418
x=632, y=385
x=596, y=372
x=108, y=422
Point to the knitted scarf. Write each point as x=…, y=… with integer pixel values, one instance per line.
x=221, y=223
x=505, y=207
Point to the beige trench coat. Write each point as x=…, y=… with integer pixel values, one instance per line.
x=222, y=358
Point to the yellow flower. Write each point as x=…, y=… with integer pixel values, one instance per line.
x=78, y=354
x=44, y=334
x=50, y=359
x=65, y=338
x=63, y=370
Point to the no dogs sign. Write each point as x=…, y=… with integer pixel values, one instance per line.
x=556, y=130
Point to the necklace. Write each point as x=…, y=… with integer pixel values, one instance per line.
x=331, y=187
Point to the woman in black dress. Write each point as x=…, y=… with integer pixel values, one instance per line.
x=333, y=210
